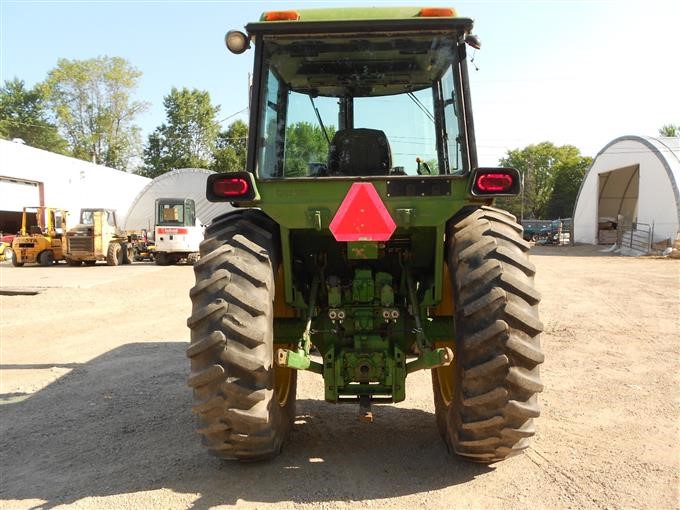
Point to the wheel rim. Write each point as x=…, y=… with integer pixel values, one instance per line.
x=283, y=378
x=445, y=376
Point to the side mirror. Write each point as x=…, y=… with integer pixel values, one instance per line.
x=473, y=41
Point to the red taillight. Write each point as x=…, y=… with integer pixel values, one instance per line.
x=281, y=16
x=437, y=12
x=235, y=187
x=231, y=187
x=494, y=183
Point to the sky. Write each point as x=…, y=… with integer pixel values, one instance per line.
x=566, y=71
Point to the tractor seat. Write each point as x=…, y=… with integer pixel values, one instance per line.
x=359, y=152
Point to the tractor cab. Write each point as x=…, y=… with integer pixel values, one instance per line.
x=90, y=217
x=175, y=212
x=383, y=100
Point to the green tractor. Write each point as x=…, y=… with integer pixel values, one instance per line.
x=363, y=245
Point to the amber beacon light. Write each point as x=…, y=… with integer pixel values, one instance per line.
x=281, y=16
x=437, y=12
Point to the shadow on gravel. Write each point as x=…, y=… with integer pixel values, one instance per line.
x=122, y=424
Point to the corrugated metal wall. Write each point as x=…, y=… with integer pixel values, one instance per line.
x=68, y=183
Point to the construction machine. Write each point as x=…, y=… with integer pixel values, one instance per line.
x=364, y=245
x=177, y=231
x=39, y=241
x=97, y=237
x=144, y=247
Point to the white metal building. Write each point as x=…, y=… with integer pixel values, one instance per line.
x=32, y=177
x=633, y=180
x=182, y=183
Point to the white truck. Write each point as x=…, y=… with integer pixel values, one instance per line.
x=178, y=232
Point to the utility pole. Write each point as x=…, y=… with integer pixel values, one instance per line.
x=521, y=213
x=525, y=175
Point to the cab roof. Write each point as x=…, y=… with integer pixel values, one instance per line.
x=358, y=18
x=358, y=13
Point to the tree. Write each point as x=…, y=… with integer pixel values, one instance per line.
x=156, y=156
x=305, y=144
x=92, y=100
x=188, y=138
x=671, y=130
x=231, y=147
x=566, y=185
x=23, y=114
x=540, y=165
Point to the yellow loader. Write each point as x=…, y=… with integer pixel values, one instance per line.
x=98, y=237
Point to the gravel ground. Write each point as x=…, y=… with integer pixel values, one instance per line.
x=95, y=413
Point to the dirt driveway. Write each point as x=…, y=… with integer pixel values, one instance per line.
x=95, y=411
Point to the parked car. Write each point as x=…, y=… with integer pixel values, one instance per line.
x=534, y=228
x=553, y=232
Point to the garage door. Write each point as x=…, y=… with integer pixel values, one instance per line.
x=17, y=194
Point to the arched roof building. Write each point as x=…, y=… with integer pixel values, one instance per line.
x=633, y=179
x=182, y=183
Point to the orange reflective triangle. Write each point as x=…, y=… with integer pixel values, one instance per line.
x=362, y=216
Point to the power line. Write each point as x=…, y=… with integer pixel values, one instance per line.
x=232, y=115
x=398, y=139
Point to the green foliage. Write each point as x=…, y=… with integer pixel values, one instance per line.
x=231, y=148
x=552, y=177
x=156, y=156
x=566, y=185
x=433, y=165
x=671, y=130
x=92, y=101
x=305, y=144
x=188, y=138
x=24, y=114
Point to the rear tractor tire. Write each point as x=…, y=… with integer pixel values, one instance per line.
x=485, y=401
x=244, y=402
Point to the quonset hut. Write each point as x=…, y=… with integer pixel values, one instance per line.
x=182, y=183
x=633, y=181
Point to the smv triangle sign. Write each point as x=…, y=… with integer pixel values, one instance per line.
x=362, y=216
